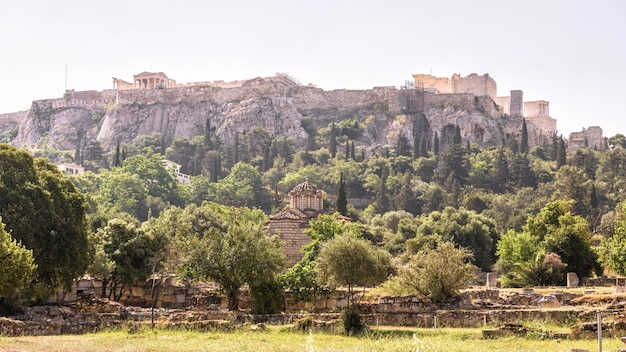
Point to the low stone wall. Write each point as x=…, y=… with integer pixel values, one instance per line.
x=473, y=309
x=604, y=281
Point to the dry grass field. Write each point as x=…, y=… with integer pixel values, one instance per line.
x=279, y=339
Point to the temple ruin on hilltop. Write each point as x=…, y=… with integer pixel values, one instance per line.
x=536, y=113
x=159, y=80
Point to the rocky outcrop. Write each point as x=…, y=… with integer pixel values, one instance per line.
x=110, y=116
x=9, y=124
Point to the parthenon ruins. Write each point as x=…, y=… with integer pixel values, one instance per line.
x=145, y=80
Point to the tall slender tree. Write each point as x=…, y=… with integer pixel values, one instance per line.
x=333, y=140
x=116, y=160
x=342, y=200
x=523, y=148
x=561, y=154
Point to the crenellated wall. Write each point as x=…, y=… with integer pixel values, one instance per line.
x=473, y=84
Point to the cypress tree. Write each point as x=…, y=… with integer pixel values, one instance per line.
x=347, y=149
x=561, y=154
x=424, y=147
x=116, y=161
x=208, y=143
x=382, y=199
x=500, y=172
x=593, y=202
x=352, y=150
x=236, y=149
x=436, y=144
x=524, y=144
x=457, y=135
x=333, y=140
x=554, y=151
x=342, y=200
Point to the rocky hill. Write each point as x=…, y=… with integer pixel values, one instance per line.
x=122, y=115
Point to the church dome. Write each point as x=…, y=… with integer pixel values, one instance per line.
x=305, y=186
x=306, y=196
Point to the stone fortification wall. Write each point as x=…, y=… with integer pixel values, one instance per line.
x=90, y=99
x=589, y=137
x=478, y=85
x=473, y=84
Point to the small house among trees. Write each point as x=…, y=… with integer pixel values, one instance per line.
x=306, y=202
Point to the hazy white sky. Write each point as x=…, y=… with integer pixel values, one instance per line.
x=571, y=53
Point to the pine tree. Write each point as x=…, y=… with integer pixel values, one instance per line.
x=524, y=144
x=521, y=174
x=342, y=200
x=453, y=160
x=403, y=148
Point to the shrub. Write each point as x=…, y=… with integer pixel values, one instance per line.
x=267, y=297
x=438, y=273
x=352, y=323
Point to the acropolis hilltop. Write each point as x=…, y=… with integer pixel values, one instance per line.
x=159, y=80
x=152, y=102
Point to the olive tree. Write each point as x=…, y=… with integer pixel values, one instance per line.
x=439, y=273
x=228, y=245
x=349, y=261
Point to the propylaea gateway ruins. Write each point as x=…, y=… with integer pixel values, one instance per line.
x=155, y=103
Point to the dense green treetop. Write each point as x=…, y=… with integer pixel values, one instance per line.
x=465, y=228
x=228, y=245
x=43, y=210
x=348, y=260
x=17, y=264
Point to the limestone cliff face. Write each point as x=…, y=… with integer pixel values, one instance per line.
x=111, y=115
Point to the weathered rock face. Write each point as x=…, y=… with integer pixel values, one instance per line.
x=111, y=115
x=9, y=124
